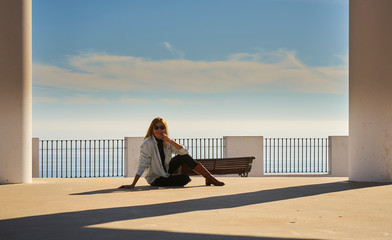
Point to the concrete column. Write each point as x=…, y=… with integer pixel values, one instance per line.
x=131, y=155
x=239, y=146
x=370, y=124
x=15, y=91
x=338, y=156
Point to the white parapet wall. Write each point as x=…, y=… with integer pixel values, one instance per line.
x=338, y=156
x=246, y=146
x=131, y=155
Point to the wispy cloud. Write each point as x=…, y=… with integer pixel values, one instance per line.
x=280, y=56
x=85, y=99
x=174, y=101
x=45, y=100
x=343, y=58
x=279, y=70
x=174, y=52
x=128, y=100
x=169, y=101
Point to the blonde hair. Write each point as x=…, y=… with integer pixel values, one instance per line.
x=153, y=123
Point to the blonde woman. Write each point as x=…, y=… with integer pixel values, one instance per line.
x=155, y=158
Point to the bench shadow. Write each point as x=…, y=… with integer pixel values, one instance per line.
x=74, y=225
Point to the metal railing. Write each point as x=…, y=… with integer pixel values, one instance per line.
x=202, y=148
x=81, y=158
x=104, y=158
x=296, y=156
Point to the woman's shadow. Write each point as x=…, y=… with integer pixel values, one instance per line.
x=135, y=189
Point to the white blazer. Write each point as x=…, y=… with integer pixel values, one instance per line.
x=150, y=159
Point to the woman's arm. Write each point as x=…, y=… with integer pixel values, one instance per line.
x=144, y=162
x=172, y=142
x=137, y=176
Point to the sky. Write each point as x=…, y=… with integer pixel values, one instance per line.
x=104, y=69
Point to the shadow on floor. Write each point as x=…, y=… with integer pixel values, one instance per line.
x=136, y=189
x=73, y=225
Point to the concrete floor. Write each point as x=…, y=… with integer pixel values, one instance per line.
x=246, y=208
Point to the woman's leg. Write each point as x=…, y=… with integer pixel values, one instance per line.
x=178, y=160
x=176, y=179
x=173, y=180
x=210, y=179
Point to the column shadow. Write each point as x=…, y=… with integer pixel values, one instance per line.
x=73, y=225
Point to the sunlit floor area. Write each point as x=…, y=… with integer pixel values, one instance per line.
x=246, y=208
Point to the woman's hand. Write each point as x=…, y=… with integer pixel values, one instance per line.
x=165, y=138
x=137, y=176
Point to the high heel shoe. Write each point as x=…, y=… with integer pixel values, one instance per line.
x=210, y=179
x=215, y=183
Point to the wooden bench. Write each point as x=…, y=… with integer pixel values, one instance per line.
x=218, y=166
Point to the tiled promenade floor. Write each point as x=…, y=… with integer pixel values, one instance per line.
x=244, y=209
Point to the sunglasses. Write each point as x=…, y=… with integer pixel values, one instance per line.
x=159, y=127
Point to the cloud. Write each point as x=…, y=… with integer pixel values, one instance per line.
x=85, y=99
x=343, y=58
x=45, y=100
x=280, y=56
x=169, y=101
x=172, y=101
x=277, y=71
x=174, y=52
x=127, y=100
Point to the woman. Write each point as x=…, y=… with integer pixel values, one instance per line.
x=155, y=157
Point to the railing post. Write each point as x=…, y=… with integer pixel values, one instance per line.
x=131, y=155
x=239, y=146
x=35, y=158
x=338, y=156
